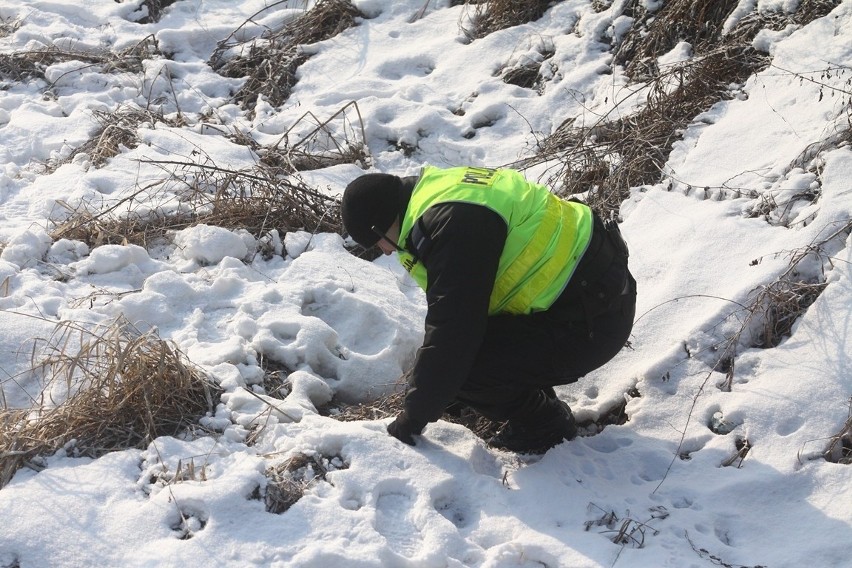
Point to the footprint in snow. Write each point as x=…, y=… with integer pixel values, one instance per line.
x=394, y=522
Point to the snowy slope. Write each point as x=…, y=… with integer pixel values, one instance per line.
x=651, y=492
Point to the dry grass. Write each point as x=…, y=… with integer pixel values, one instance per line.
x=697, y=21
x=488, y=17
x=383, y=407
x=839, y=449
x=108, y=389
x=390, y=405
x=773, y=309
x=769, y=319
x=612, y=156
x=118, y=131
x=615, y=154
x=269, y=62
x=527, y=73
x=9, y=26
x=782, y=303
x=276, y=382
x=25, y=66
x=288, y=480
x=627, y=532
x=742, y=446
x=257, y=200
x=309, y=144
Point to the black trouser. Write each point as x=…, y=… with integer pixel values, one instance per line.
x=523, y=357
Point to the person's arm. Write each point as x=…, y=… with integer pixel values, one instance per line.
x=466, y=243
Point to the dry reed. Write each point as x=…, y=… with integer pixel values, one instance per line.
x=107, y=389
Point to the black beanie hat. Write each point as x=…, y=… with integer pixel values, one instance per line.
x=372, y=200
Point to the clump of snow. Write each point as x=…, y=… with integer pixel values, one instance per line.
x=681, y=52
x=113, y=258
x=207, y=244
x=28, y=248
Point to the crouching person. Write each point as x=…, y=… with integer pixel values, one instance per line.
x=525, y=291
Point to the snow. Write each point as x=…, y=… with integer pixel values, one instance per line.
x=347, y=328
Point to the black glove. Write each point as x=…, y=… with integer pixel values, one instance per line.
x=403, y=429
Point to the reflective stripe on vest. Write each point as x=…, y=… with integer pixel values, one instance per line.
x=515, y=291
x=546, y=236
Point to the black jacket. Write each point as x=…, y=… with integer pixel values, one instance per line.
x=465, y=244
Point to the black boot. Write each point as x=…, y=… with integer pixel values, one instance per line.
x=537, y=434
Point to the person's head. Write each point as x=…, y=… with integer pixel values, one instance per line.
x=372, y=205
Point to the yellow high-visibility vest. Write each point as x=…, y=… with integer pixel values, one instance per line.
x=546, y=236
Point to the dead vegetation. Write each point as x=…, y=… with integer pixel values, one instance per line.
x=388, y=406
x=528, y=72
x=773, y=309
x=620, y=151
x=185, y=470
x=653, y=34
x=309, y=144
x=612, y=156
x=627, y=531
x=288, y=480
x=766, y=320
x=312, y=144
x=383, y=407
x=104, y=390
x=495, y=15
x=256, y=200
x=701, y=24
x=118, y=131
x=9, y=26
x=782, y=304
x=25, y=66
x=742, y=447
x=839, y=449
x=713, y=559
x=270, y=60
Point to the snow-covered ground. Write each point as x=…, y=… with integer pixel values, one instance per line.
x=349, y=327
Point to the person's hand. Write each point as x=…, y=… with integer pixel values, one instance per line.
x=403, y=430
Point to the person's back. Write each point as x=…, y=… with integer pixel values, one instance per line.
x=524, y=291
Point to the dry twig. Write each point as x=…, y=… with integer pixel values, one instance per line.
x=257, y=200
